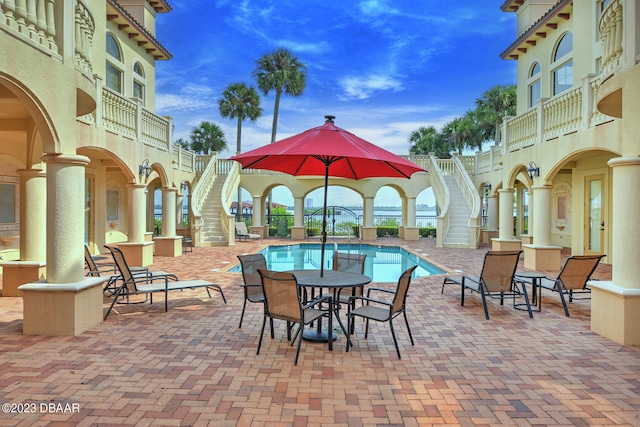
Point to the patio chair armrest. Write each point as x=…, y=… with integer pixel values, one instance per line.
x=147, y=279
x=369, y=300
x=388, y=291
x=324, y=298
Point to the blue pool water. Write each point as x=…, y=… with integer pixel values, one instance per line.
x=383, y=263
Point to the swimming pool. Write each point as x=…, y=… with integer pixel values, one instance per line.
x=383, y=263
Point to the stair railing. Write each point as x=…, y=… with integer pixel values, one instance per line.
x=201, y=191
x=471, y=197
x=441, y=192
x=229, y=189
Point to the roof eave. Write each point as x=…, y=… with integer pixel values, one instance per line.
x=538, y=30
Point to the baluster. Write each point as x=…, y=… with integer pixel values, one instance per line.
x=618, y=26
x=9, y=8
x=51, y=24
x=20, y=12
x=41, y=18
x=31, y=16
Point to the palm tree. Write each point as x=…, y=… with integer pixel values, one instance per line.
x=425, y=140
x=207, y=137
x=241, y=102
x=282, y=72
x=495, y=104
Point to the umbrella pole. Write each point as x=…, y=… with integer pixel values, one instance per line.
x=324, y=218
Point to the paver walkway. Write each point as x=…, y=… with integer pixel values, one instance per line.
x=193, y=366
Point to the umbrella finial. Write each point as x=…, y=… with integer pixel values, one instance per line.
x=330, y=118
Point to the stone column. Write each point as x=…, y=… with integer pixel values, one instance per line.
x=169, y=244
x=33, y=234
x=492, y=213
x=411, y=232
x=65, y=214
x=506, y=241
x=506, y=213
x=492, y=219
x=179, y=203
x=168, y=211
x=625, y=233
x=67, y=303
x=615, y=305
x=258, y=215
x=137, y=250
x=541, y=255
x=298, y=230
x=137, y=212
x=33, y=214
x=368, y=231
x=542, y=215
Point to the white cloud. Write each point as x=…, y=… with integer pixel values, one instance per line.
x=171, y=102
x=364, y=87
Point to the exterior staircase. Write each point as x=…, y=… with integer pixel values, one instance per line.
x=211, y=233
x=459, y=213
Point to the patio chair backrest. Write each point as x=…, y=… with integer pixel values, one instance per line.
x=577, y=270
x=93, y=268
x=281, y=295
x=352, y=263
x=250, y=266
x=241, y=228
x=401, y=292
x=123, y=267
x=498, y=270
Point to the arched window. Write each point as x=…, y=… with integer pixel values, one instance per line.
x=562, y=65
x=114, y=65
x=138, y=81
x=534, y=84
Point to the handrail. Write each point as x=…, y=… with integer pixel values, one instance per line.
x=229, y=187
x=471, y=197
x=202, y=188
x=441, y=192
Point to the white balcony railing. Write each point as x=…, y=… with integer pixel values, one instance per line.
x=31, y=20
x=611, y=28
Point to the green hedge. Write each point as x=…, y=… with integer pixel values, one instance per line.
x=427, y=232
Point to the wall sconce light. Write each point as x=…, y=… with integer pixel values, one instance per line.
x=533, y=170
x=487, y=186
x=144, y=169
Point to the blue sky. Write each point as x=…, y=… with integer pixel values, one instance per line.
x=382, y=67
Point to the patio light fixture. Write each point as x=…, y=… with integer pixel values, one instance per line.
x=533, y=170
x=183, y=186
x=144, y=169
x=487, y=186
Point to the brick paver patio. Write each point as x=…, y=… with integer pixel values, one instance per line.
x=193, y=366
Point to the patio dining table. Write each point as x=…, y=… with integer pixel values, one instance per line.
x=335, y=281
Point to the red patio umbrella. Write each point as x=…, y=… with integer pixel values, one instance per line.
x=327, y=150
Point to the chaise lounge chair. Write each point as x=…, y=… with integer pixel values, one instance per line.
x=572, y=279
x=496, y=280
x=151, y=282
x=107, y=269
x=242, y=233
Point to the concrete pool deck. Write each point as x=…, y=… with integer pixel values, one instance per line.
x=193, y=366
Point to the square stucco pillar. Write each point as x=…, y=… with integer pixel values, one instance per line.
x=62, y=309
